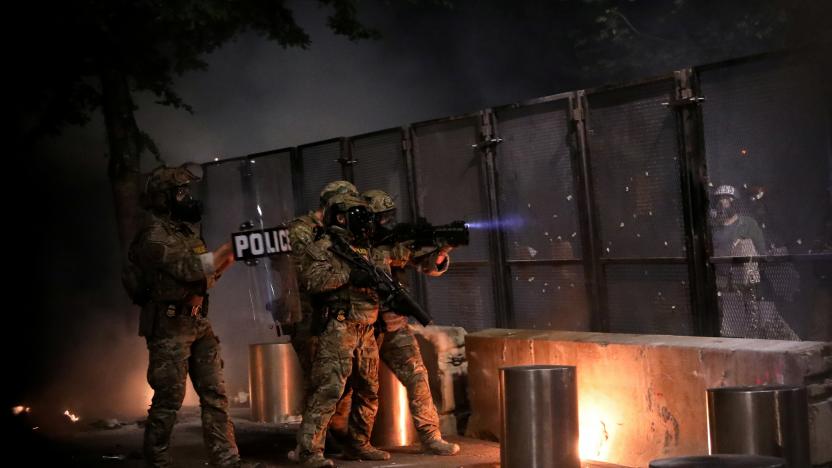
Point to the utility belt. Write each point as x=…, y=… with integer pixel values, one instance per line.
x=326, y=310
x=195, y=306
x=323, y=313
x=153, y=312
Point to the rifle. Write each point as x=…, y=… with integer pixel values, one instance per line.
x=393, y=295
x=424, y=234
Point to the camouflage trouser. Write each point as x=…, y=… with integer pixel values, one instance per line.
x=344, y=349
x=178, y=346
x=400, y=351
x=339, y=423
x=305, y=345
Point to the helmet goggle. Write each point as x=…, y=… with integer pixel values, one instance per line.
x=386, y=218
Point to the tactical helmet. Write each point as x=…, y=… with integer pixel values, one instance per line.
x=166, y=191
x=163, y=178
x=725, y=191
x=379, y=201
x=383, y=208
x=338, y=187
x=341, y=203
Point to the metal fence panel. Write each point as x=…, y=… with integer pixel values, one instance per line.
x=538, y=206
x=549, y=297
x=636, y=182
x=779, y=300
x=635, y=172
x=462, y=297
x=767, y=135
x=766, y=132
x=380, y=164
x=649, y=299
x=539, y=217
x=449, y=186
x=320, y=166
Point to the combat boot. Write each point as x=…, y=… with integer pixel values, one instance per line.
x=293, y=454
x=365, y=452
x=318, y=461
x=440, y=447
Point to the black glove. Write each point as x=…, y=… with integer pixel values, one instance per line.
x=360, y=278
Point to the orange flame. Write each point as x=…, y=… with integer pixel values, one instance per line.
x=597, y=431
x=71, y=416
x=16, y=410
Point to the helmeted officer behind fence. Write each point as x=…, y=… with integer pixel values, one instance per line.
x=176, y=272
x=348, y=305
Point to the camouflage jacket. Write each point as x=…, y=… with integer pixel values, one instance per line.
x=302, y=231
x=326, y=276
x=174, y=260
x=175, y=265
x=301, y=235
x=401, y=255
x=397, y=257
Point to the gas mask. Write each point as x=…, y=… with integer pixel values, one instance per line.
x=384, y=223
x=361, y=225
x=183, y=207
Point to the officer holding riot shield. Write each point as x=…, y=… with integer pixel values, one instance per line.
x=175, y=271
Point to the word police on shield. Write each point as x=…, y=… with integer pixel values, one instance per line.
x=255, y=244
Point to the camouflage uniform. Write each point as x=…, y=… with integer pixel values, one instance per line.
x=172, y=257
x=399, y=348
x=302, y=231
x=346, y=348
x=301, y=235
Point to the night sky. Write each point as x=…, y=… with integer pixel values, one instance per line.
x=72, y=338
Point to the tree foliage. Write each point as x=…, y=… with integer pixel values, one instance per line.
x=64, y=47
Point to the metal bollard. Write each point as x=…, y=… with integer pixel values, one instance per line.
x=760, y=420
x=394, y=424
x=275, y=382
x=539, y=410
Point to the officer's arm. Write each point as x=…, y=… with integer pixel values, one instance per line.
x=434, y=262
x=301, y=235
x=321, y=271
x=165, y=254
x=401, y=254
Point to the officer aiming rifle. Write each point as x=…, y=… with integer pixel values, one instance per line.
x=393, y=295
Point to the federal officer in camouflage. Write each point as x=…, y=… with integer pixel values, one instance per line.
x=302, y=232
x=399, y=348
x=348, y=305
x=177, y=270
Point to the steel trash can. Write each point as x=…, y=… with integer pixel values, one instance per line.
x=275, y=382
x=539, y=411
x=771, y=420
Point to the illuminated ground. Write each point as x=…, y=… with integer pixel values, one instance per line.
x=82, y=444
x=86, y=444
